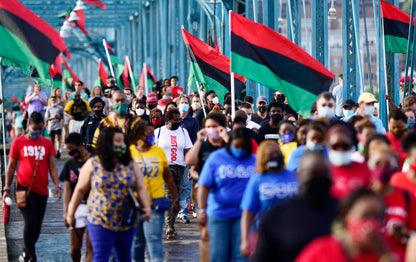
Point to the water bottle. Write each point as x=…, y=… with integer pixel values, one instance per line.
x=6, y=210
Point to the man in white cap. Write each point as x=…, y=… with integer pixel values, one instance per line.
x=366, y=109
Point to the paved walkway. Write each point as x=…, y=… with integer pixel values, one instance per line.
x=53, y=243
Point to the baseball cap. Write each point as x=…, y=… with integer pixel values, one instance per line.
x=349, y=102
x=151, y=98
x=367, y=98
x=262, y=99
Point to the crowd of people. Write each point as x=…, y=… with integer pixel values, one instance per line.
x=266, y=184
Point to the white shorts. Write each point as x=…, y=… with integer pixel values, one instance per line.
x=66, y=120
x=80, y=216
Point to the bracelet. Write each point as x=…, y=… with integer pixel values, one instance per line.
x=202, y=210
x=176, y=199
x=6, y=188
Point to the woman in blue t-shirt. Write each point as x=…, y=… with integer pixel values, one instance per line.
x=272, y=185
x=222, y=182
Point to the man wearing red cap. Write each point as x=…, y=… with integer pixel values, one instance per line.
x=152, y=101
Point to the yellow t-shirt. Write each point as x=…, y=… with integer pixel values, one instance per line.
x=152, y=164
x=287, y=150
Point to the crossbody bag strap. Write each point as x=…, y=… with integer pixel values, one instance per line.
x=35, y=169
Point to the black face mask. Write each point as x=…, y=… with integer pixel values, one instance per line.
x=151, y=106
x=175, y=126
x=227, y=101
x=317, y=188
x=98, y=112
x=280, y=98
x=276, y=118
x=75, y=153
x=262, y=109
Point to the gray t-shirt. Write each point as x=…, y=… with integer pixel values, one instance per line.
x=54, y=124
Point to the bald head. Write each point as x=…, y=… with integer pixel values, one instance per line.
x=118, y=97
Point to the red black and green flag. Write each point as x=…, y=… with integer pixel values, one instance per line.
x=81, y=21
x=96, y=3
x=101, y=75
x=126, y=77
x=56, y=73
x=396, y=28
x=28, y=41
x=265, y=56
x=69, y=77
x=150, y=78
x=210, y=67
x=114, y=59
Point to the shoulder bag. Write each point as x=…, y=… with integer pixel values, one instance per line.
x=21, y=195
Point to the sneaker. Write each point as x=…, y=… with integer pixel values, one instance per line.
x=24, y=257
x=194, y=213
x=183, y=220
x=58, y=155
x=171, y=233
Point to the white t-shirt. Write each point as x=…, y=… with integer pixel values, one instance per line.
x=173, y=143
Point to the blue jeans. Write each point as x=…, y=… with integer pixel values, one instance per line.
x=225, y=239
x=186, y=187
x=151, y=232
x=103, y=241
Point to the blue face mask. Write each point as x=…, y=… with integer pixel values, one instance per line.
x=184, y=108
x=313, y=147
x=150, y=140
x=287, y=138
x=238, y=153
x=410, y=123
x=35, y=134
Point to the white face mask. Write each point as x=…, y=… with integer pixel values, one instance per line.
x=140, y=111
x=248, y=118
x=368, y=110
x=326, y=112
x=195, y=106
x=348, y=113
x=215, y=100
x=340, y=158
x=128, y=97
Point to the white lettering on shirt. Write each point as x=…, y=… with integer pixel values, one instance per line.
x=241, y=171
x=279, y=190
x=37, y=151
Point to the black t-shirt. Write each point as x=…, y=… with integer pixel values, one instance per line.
x=287, y=228
x=206, y=149
x=257, y=119
x=200, y=116
x=268, y=132
x=71, y=173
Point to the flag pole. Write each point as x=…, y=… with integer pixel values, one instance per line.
x=201, y=97
x=231, y=75
x=146, y=91
x=385, y=69
x=412, y=63
x=108, y=57
x=411, y=29
x=131, y=73
x=3, y=119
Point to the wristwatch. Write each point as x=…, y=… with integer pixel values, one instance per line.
x=176, y=200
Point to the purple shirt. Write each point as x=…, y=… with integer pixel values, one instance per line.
x=36, y=104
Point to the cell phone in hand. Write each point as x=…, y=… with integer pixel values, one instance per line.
x=133, y=197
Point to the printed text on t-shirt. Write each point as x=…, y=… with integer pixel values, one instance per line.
x=173, y=150
x=37, y=151
x=241, y=171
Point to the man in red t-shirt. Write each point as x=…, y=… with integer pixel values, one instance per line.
x=176, y=90
x=33, y=152
x=397, y=127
